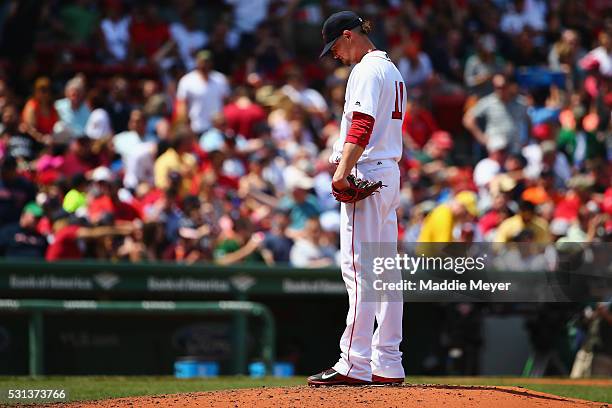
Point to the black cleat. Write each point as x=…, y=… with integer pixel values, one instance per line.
x=332, y=377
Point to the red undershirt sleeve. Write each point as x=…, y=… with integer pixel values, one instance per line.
x=360, y=130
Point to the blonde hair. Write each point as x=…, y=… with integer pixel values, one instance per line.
x=366, y=26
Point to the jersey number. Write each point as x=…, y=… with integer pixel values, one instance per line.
x=399, y=101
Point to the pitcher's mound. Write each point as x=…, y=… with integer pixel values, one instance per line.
x=350, y=397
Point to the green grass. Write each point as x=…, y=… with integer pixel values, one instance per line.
x=90, y=388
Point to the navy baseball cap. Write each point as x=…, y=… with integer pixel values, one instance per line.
x=335, y=25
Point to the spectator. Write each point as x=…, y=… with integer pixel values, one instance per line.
x=66, y=234
x=118, y=107
x=419, y=123
x=521, y=14
x=79, y=158
x=188, y=38
x=200, y=94
x=78, y=21
x=415, y=66
x=22, y=240
x=15, y=191
x=222, y=44
x=480, y=67
x=76, y=197
x=148, y=33
x=73, y=110
x=269, y=54
x=505, y=117
x=98, y=125
x=255, y=190
x=247, y=16
x=276, y=248
x=526, y=52
x=139, y=165
x=125, y=142
x=242, y=114
x=241, y=246
x=526, y=219
x=435, y=154
x=20, y=144
x=565, y=54
x=544, y=156
x=573, y=133
x=104, y=199
x=176, y=159
x=115, y=33
x=602, y=55
x=594, y=359
x=39, y=114
x=307, y=252
x=543, y=111
x=438, y=225
x=602, y=359
x=301, y=205
x=489, y=167
x=309, y=99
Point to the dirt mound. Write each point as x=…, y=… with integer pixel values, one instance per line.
x=366, y=396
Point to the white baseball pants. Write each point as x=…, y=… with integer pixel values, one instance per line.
x=373, y=220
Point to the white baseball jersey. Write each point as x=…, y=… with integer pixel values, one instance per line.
x=375, y=87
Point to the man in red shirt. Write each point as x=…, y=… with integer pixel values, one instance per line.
x=79, y=159
x=148, y=32
x=108, y=202
x=419, y=123
x=242, y=114
x=66, y=235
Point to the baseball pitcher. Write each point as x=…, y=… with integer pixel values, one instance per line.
x=367, y=183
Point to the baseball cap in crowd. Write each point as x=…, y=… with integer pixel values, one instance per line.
x=442, y=139
x=335, y=25
x=542, y=131
x=33, y=208
x=102, y=174
x=468, y=200
x=537, y=195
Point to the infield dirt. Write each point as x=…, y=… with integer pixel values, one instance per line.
x=454, y=396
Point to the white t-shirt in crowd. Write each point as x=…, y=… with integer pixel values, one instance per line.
x=533, y=15
x=117, y=36
x=98, y=124
x=126, y=141
x=303, y=253
x=415, y=76
x=248, y=13
x=139, y=165
x=485, y=171
x=604, y=59
x=204, y=98
x=534, y=155
x=375, y=87
x=188, y=42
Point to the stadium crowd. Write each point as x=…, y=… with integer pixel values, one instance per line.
x=200, y=131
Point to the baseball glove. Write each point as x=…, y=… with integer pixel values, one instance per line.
x=357, y=190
